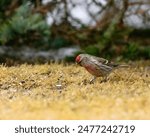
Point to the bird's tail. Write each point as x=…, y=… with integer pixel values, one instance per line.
x=123, y=66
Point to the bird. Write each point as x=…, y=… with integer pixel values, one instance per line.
x=97, y=66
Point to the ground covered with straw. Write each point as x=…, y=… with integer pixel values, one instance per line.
x=57, y=91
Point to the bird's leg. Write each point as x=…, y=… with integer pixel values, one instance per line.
x=104, y=79
x=92, y=80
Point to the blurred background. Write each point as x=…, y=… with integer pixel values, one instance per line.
x=38, y=31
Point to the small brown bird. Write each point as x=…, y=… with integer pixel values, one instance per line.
x=98, y=67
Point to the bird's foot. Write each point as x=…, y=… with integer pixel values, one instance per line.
x=104, y=80
x=92, y=80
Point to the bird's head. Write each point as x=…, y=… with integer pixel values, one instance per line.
x=79, y=58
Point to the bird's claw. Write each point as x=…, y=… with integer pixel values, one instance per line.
x=104, y=80
x=92, y=80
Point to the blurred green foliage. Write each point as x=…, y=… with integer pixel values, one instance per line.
x=92, y=50
x=131, y=51
x=134, y=51
x=23, y=25
x=59, y=42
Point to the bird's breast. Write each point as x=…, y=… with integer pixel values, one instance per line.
x=93, y=70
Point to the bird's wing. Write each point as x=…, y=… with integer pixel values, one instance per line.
x=102, y=64
x=106, y=62
x=102, y=60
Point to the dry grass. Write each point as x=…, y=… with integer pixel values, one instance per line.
x=30, y=92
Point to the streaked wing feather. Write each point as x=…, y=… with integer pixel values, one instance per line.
x=102, y=60
x=106, y=62
x=102, y=66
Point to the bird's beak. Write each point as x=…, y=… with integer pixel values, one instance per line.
x=78, y=63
